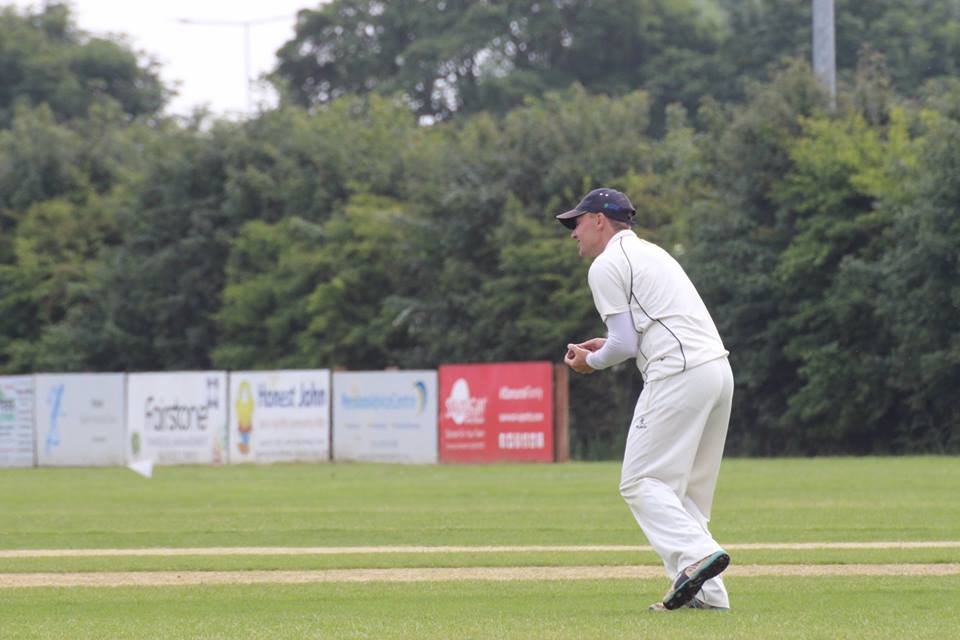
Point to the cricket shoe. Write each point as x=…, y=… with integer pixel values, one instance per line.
x=693, y=604
x=691, y=579
x=696, y=603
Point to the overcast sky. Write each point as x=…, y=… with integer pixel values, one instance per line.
x=205, y=63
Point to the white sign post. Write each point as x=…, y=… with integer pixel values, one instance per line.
x=177, y=418
x=385, y=416
x=16, y=421
x=80, y=419
x=280, y=416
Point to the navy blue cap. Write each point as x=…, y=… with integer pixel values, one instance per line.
x=609, y=202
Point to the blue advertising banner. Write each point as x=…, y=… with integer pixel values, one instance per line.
x=385, y=416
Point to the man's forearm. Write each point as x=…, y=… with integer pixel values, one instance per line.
x=622, y=343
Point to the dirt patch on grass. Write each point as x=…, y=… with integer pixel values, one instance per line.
x=184, y=578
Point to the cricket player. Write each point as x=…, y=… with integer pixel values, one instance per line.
x=655, y=316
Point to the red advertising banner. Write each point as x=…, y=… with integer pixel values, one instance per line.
x=496, y=412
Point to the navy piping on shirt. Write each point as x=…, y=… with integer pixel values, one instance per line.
x=657, y=320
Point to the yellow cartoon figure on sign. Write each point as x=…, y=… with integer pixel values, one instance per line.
x=244, y=408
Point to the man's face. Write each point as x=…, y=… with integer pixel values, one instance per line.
x=588, y=236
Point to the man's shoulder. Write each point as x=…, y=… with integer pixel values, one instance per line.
x=625, y=248
x=610, y=258
x=635, y=249
x=612, y=263
x=619, y=245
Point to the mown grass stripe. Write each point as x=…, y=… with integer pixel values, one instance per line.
x=286, y=551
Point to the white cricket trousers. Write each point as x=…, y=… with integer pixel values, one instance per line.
x=671, y=464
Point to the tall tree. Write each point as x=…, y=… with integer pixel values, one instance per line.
x=319, y=295
x=162, y=287
x=918, y=39
x=161, y=283
x=847, y=178
x=920, y=296
x=739, y=232
x=60, y=184
x=457, y=56
x=46, y=59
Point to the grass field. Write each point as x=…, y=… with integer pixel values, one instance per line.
x=763, y=502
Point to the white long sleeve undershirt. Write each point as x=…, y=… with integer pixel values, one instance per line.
x=622, y=342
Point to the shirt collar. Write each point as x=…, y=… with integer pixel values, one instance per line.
x=619, y=234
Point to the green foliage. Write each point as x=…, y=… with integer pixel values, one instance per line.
x=299, y=163
x=845, y=182
x=45, y=59
x=270, y=273
x=739, y=232
x=359, y=302
x=536, y=270
x=919, y=295
x=58, y=247
x=40, y=160
x=454, y=57
x=463, y=57
x=306, y=295
x=59, y=213
x=919, y=40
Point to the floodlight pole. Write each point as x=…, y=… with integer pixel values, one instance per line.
x=824, y=51
x=246, y=25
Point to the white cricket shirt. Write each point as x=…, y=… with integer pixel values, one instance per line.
x=675, y=328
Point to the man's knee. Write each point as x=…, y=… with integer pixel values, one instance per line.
x=637, y=490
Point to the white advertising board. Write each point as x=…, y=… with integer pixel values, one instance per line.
x=280, y=416
x=80, y=419
x=177, y=418
x=16, y=421
x=385, y=416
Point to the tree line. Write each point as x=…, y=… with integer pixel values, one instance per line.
x=403, y=215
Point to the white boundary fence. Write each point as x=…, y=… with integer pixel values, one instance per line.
x=385, y=416
x=279, y=416
x=80, y=419
x=218, y=417
x=16, y=421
